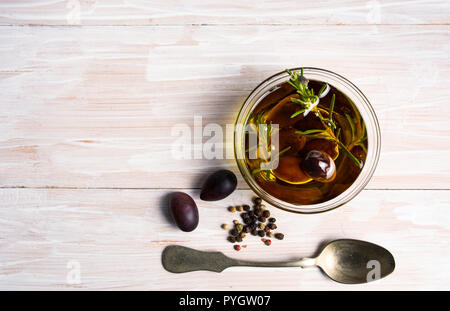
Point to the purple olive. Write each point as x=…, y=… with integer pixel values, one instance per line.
x=319, y=166
x=184, y=211
x=218, y=186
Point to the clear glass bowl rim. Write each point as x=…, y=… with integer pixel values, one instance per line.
x=365, y=109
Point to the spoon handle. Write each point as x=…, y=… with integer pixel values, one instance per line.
x=303, y=263
x=180, y=259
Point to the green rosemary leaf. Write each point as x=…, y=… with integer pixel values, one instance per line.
x=297, y=113
x=308, y=132
x=360, y=144
x=301, y=71
x=284, y=151
x=330, y=114
x=322, y=89
x=352, y=125
x=343, y=147
x=298, y=101
x=293, y=85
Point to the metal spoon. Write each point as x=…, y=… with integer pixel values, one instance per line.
x=345, y=261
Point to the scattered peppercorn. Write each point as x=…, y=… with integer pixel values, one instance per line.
x=254, y=222
x=272, y=226
x=279, y=236
x=234, y=232
x=232, y=239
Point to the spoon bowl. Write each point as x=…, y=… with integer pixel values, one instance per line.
x=354, y=262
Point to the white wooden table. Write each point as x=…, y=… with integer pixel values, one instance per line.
x=90, y=91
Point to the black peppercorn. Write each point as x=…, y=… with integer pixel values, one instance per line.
x=248, y=221
x=272, y=226
x=262, y=219
x=266, y=214
x=246, y=208
x=244, y=215
x=271, y=219
x=279, y=236
x=257, y=200
x=232, y=239
x=234, y=232
x=238, y=239
x=251, y=213
x=247, y=229
x=258, y=212
x=254, y=232
x=261, y=233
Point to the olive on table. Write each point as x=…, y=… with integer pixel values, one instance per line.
x=218, y=186
x=319, y=166
x=184, y=211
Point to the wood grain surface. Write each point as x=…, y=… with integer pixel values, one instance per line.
x=117, y=237
x=92, y=90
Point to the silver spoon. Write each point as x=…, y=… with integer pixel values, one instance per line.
x=344, y=261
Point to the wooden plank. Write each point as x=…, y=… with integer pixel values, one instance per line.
x=163, y=12
x=117, y=237
x=95, y=106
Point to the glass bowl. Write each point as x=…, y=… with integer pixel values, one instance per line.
x=366, y=111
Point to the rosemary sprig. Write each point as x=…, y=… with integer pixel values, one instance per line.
x=309, y=132
x=344, y=148
x=297, y=113
x=330, y=113
x=322, y=89
x=283, y=151
x=300, y=83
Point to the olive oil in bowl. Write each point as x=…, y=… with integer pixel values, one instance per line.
x=322, y=146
